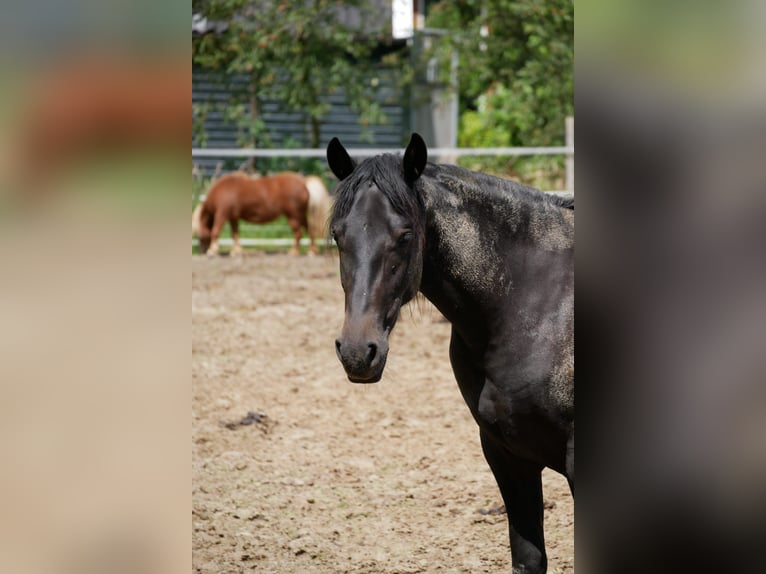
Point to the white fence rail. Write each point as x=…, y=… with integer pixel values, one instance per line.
x=567, y=151
x=451, y=153
x=369, y=152
x=263, y=241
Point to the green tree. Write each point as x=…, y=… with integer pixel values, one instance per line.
x=516, y=72
x=294, y=53
x=523, y=49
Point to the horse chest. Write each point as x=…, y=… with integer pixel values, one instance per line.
x=505, y=409
x=506, y=406
x=523, y=423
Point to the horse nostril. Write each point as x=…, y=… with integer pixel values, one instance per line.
x=372, y=352
x=337, y=345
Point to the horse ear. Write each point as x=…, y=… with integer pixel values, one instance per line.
x=415, y=158
x=340, y=162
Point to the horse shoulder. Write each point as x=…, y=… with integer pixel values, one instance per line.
x=532, y=369
x=222, y=186
x=527, y=406
x=530, y=355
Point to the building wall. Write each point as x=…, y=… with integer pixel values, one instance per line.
x=292, y=129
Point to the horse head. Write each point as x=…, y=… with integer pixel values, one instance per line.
x=378, y=224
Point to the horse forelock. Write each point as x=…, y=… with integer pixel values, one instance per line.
x=386, y=172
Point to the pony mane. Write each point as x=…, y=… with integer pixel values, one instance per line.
x=387, y=173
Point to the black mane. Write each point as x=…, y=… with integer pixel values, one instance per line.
x=387, y=173
x=477, y=180
x=565, y=202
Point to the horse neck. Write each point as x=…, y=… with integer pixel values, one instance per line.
x=471, y=234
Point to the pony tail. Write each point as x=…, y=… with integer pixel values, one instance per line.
x=197, y=219
x=319, y=207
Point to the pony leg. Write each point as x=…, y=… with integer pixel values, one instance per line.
x=218, y=224
x=236, y=249
x=312, y=246
x=212, y=251
x=520, y=484
x=296, y=227
x=305, y=224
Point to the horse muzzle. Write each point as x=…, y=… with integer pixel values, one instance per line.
x=362, y=358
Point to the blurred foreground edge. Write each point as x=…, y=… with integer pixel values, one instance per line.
x=671, y=324
x=86, y=109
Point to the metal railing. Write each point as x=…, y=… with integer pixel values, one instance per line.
x=369, y=152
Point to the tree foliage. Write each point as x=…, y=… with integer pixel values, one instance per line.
x=515, y=71
x=515, y=76
x=294, y=53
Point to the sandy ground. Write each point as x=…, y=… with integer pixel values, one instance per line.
x=329, y=476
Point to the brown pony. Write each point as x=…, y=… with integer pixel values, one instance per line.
x=303, y=200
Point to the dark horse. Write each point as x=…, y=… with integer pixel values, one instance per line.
x=497, y=259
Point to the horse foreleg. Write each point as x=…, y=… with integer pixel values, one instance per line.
x=218, y=223
x=520, y=484
x=236, y=248
x=296, y=227
x=312, y=243
x=212, y=251
x=313, y=250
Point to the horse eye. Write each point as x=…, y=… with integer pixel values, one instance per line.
x=405, y=237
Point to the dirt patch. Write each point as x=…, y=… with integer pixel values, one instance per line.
x=295, y=469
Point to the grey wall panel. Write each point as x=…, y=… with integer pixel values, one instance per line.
x=292, y=129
